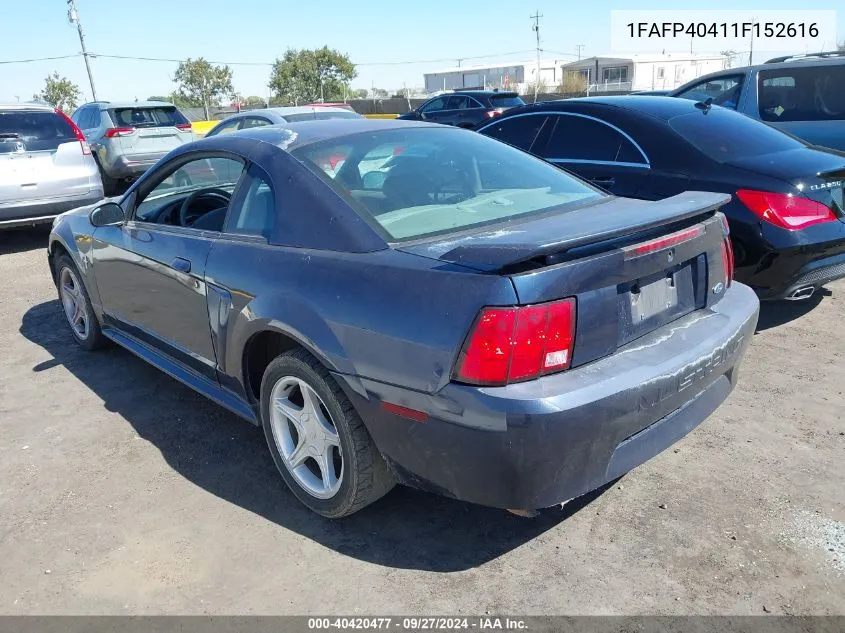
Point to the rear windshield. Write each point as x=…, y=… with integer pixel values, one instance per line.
x=816, y=93
x=147, y=117
x=506, y=101
x=428, y=181
x=725, y=135
x=319, y=116
x=22, y=131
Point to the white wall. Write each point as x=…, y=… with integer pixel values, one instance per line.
x=647, y=75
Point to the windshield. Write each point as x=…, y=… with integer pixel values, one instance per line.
x=506, y=101
x=418, y=182
x=22, y=131
x=148, y=117
x=724, y=135
x=803, y=94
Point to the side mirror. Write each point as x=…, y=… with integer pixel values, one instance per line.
x=107, y=214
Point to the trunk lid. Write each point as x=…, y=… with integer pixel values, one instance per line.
x=632, y=265
x=40, y=157
x=156, y=129
x=818, y=175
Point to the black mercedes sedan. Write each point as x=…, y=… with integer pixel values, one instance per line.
x=786, y=212
x=415, y=303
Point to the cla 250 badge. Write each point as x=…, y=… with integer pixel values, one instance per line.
x=665, y=387
x=826, y=185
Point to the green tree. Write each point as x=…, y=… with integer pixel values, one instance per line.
x=254, y=102
x=59, y=92
x=303, y=76
x=360, y=93
x=380, y=93
x=202, y=84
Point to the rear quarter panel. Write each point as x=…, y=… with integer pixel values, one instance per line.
x=388, y=316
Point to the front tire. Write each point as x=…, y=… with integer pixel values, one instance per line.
x=77, y=306
x=319, y=443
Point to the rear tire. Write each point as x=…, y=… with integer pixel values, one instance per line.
x=77, y=306
x=109, y=184
x=318, y=441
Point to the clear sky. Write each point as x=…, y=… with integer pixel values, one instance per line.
x=434, y=32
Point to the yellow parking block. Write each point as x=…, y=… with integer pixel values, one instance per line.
x=201, y=128
x=381, y=116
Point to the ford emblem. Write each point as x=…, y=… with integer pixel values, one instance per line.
x=717, y=289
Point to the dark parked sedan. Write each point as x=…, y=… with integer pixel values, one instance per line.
x=415, y=303
x=786, y=211
x=464, y=108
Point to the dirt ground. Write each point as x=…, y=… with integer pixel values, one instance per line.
x=121, y=491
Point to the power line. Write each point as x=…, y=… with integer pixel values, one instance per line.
x=37, y=59
x=389, y=63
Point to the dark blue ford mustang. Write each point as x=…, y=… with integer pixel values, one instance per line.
x=406, y=302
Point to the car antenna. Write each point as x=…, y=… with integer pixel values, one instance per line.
x=705, y=105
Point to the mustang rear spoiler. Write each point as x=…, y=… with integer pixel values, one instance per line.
x=579, y=227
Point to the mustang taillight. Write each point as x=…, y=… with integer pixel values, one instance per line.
x=518, y=343
x=785, y=210
x=727, y=252
x=673, y=239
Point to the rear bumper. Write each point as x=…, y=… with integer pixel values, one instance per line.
x=539, y=443
x=43, y=210
x=811, y=276
x=132, y=165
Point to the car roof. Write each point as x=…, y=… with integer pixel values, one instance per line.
x=480, y=91
x=129, y=104
x=27, y=106
x=660, y=107
x=291, y=136
x=283, y=110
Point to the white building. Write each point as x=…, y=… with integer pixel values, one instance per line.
x=503, y=75
x=645, y=71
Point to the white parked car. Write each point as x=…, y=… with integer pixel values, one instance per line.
x=46, y=166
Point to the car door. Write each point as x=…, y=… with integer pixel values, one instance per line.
x=435, y=110
x=250, y=223
x=595, y=150
x=459, y=111
x=150, y=272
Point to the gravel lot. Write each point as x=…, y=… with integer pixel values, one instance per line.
x=121, y=491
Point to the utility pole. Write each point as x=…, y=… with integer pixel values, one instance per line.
x=460, y=59
x=578, y=48
x=73, y=18
x=536, y=17
x=751, y=52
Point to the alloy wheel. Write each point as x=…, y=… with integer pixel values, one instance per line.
x=73, y=302
x=306, y=437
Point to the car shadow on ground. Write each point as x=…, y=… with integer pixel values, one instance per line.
x=776, y=313
x=22, y=239
x=228, y=457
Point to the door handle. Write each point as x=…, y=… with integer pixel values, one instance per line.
x=181, y=264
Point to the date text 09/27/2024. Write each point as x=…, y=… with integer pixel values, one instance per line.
x=486, y=623
x=722, y=29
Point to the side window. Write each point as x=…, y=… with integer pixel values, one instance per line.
x=76, y=117
x=253, y=121
x=84, y=118
x=519, y=131
x=257, y=214
x=807, y=93
x=228, y=127
x=221, y=173
x=95, y=118
x=458, y=102
x=434, y=105
x=724, y=91
x=579, y=138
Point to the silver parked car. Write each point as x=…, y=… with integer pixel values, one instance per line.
x=128, y=138
x=274, y=116
x=46, y=166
